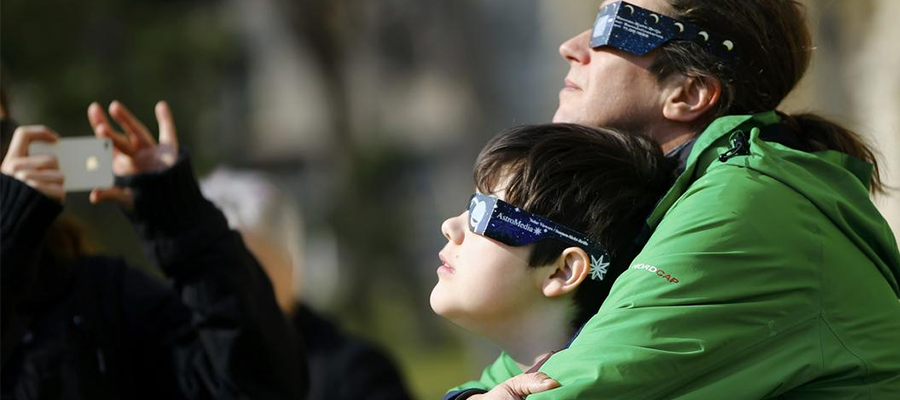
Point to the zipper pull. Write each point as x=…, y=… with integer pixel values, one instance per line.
x=739, y=147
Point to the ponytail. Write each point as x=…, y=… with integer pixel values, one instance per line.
x=776, y=50
x=819, y=134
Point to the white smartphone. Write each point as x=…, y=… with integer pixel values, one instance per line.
x=86, y=161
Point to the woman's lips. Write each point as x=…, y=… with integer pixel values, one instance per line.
x=571, y=85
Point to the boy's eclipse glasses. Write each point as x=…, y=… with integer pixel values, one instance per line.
x=496, y=219
x=636, y=30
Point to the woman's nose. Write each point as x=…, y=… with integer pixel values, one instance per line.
x=577, y=49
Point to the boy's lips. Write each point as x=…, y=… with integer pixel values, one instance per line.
x=445, y=265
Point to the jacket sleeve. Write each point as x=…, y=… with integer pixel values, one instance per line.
x=25, y=216
x=238, y=343
x=462, y=394
x=721, y=302
x=502, y=369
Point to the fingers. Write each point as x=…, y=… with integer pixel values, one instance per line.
x=135, y=129
x=122, y=196
x=40, y=171
x=49, y=176
x=37, y=161
x=523, y=385
x=50, y=189
x=166, y=124
x=24, y=135
x=50, y=182
x=540, y=382
x=103, y=129
x=96, y=115
x=120, y=143
x=136, y=151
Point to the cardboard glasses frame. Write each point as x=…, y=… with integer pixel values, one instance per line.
x=496, y=219
x=630, y=28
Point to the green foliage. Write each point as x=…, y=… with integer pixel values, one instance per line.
x=59, y=56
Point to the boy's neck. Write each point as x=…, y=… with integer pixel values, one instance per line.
x=528, y=340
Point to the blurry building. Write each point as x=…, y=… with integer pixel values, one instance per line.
x=853, y=80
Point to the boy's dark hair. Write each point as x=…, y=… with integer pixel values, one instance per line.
x=600, y=182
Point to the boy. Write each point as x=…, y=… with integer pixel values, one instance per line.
x=556, y=218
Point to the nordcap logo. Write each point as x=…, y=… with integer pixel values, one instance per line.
x=656, y=271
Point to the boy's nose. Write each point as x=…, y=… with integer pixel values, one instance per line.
x=453, y=228
x=577, y=49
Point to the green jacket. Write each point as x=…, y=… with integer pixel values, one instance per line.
x=770, y=274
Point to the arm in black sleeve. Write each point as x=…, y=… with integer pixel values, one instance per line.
x=245, y=343
x=462, y=394
x=25, y=216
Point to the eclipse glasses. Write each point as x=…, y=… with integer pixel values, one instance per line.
x=636, y=30
x=496, y=219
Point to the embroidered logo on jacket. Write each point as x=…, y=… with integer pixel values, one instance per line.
x=656, y=271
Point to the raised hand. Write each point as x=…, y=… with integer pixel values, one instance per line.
x=40, y=171
x=135, y=151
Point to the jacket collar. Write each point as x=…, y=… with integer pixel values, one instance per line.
x=704, y=153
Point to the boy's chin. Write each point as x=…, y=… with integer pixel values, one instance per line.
x=438, y=302
x=443, y=306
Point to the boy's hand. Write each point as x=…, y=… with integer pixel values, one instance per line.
x=136, y=151
x=519, y=387
x=40, y=171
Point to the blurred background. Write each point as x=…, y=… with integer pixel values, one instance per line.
x=367, y=116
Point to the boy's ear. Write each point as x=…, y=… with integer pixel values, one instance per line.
x=689, y=99
x=571, y=268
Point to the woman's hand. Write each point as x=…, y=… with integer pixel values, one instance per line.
x=519, y=387
x=40, y=171
x=135, y=151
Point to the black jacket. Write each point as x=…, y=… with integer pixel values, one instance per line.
x=342, y=367
x=96, y=329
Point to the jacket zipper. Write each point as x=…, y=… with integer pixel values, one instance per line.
x=739, y=147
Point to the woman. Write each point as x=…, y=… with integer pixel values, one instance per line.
x=81, y=326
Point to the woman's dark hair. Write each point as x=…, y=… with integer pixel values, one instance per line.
x=4, y=102
x=600, y=182
x=5, y=132
x=776, y=48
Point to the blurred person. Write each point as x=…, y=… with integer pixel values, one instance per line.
x=788, y=278
x=551, y=226
x=340, y=365
x=80, y=326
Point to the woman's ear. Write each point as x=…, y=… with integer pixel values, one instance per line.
x=571, y=268
x=689, y=99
